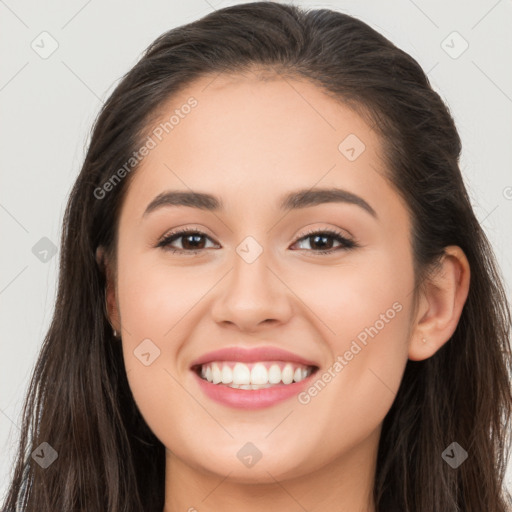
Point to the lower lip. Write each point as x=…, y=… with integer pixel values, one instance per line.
x=250, y=398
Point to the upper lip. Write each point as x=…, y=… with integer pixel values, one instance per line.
x=251, y=355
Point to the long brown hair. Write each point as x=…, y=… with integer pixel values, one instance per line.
x=79, y=400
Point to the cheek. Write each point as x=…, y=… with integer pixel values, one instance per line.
x=365, y=312
x=370, y=316
x=153, y=297
x=155, y=305
x=359, y=293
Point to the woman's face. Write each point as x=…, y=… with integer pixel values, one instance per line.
x=258, y=281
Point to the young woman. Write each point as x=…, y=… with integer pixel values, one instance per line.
x=274, y=294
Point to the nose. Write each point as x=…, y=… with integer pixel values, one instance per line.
x=252, y=296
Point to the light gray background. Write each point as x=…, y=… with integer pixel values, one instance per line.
x=48, y=106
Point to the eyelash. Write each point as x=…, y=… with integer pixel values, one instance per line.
x=171, y=237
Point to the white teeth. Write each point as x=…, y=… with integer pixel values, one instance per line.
x=287, y=376
x=251, y=386
x=227, y=374
x=256, y=376
x=274, y=374
x=216, y=373
x=259, y=374
x=241, y=374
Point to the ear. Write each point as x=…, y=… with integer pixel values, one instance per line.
x=111, y=302
x=440, y=304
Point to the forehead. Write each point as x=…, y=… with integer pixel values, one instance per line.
x=252, y=138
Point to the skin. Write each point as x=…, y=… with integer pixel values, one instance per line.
x=244, y=135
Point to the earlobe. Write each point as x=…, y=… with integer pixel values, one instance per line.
x=442, y=299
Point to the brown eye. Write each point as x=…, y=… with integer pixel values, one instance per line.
x=322, y=241
x=192, y=241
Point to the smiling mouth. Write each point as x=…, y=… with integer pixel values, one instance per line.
x=250, y=376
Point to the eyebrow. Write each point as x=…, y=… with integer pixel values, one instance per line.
x=291, y=201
